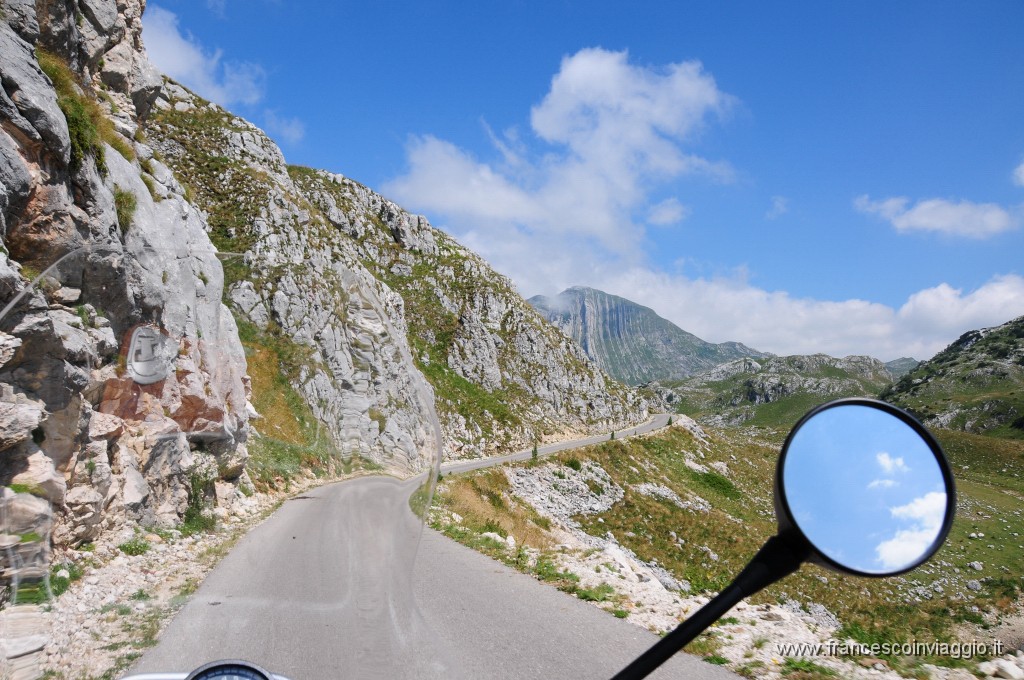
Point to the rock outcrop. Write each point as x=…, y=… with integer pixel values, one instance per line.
x=502, y=377
x=98, y=241
x=781, y=389
x=631, y=342
x=973, y=385
x=124, y=395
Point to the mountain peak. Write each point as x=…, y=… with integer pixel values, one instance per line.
x=631, y=342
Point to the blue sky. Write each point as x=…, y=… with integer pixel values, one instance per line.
x=864, y=488
x=808, y=177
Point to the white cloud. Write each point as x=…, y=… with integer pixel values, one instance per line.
x=566, y=202
x=780, y=206
x=181, y=57
x=908, y=545
x=1018, y=175
x=890, y=465
x=973, y=220
x=610, y=132
x=670, y=211
x=218, y=7
x=883, y=484
x=720, y=309
x=291, y=130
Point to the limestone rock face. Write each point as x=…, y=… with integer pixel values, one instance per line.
x=84, y=447
x=376, y=296
x=123, y=380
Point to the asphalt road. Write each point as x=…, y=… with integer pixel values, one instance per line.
x=656, y=422
x=325, y=588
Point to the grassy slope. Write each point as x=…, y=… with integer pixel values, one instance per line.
x=980, y=378
x=991, y=486
x=702, y=399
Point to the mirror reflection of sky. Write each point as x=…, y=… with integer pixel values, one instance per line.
x=864, y=488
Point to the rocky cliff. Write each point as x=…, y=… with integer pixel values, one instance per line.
x=125, y=322
x=775, y=391
x=631, y=342
x=83, y=446
x=502, y=376
x=974, y=385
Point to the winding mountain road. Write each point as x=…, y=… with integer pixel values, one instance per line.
x=657, y=421
x=325, y=589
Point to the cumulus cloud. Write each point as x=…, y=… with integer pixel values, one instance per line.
x=883, y=484
x=669, y=211
x=606, y=133
x=890, y=465
x=964, y=218
x=1018, y=175
x=924, y=515
x=720, y=309
x=566, y=201
x=291, y=130
x=780, y=206
x=180, y=56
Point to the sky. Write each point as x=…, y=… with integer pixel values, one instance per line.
x=805, y=177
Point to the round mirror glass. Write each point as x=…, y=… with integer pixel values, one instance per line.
x=868, y=487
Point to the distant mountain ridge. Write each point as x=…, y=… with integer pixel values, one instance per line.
x=631, y=342
x=975, y=385
x=775, y=391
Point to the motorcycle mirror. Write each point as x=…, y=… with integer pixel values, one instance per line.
x=861, y=487
x=866, y=486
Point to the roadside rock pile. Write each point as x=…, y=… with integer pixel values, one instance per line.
x=117, y=600
x=561, y=491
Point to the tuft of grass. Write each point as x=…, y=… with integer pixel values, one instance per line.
x=751, y=669
x=125, y=205
x=597, y=594
x=151, y=187
x=135, y=546
x=88, y=126
x=804, y=669
x=574, y=463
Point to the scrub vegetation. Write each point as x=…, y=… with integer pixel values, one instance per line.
x=88, y=126
x=948, y=599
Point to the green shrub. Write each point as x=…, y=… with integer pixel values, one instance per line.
x=125, y=204
x=493, y=527
x=60, y=584
x=197, y=520
x=135, y=546
x=574, y=463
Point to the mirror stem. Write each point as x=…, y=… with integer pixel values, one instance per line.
x=780, y=556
